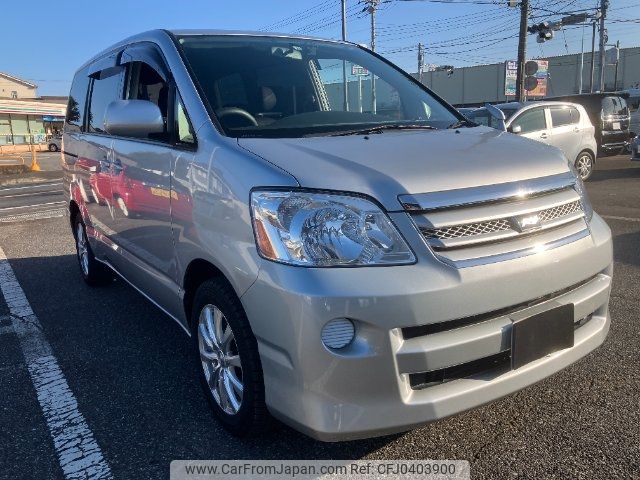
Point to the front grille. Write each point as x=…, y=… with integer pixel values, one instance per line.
x=424, y=380
x=501, y=224
x=487, y=224
x=560, y=211
x=468, y=230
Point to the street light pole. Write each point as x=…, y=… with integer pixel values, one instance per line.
x=581, y=61
x=593, y=55
x=345, y=84
x=373, y=5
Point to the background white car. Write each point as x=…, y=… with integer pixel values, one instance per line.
x=561, y=124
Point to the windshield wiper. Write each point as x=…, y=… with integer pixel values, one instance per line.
x=381, y=128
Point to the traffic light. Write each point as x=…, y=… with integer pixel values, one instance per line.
x=544, y=31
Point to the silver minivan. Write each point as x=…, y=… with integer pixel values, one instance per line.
x=346, y=251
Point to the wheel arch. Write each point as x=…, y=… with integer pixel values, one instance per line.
x=197, y=272
x=589, y=150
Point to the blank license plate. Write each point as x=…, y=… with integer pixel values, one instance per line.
x=538, y=335
x=616, y=126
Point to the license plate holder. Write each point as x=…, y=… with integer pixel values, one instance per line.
x=537, y=335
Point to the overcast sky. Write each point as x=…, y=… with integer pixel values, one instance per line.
x=45, y=41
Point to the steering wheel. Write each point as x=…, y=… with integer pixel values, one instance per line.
x=243, y=118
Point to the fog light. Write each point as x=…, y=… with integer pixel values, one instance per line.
x=338, y=333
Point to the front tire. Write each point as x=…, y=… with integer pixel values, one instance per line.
x=228, y=360
x=53, y=147
x=584, y=165
x=93, y=272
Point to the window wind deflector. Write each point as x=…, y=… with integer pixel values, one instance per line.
x=105, y=63
x=145, y=54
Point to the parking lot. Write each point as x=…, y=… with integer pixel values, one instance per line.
x=130, y=369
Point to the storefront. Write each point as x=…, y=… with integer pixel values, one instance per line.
x=29, y=122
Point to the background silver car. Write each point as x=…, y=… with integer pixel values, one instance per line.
x=560, y=124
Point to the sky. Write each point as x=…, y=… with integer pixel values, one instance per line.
x=47, y=46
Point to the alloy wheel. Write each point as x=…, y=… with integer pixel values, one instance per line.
x=220, y=359
x=584, y=165
x=83, y=250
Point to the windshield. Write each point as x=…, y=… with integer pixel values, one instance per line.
x=279, y=87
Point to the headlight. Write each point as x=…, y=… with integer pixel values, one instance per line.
x=325, y=230
x=584, y=198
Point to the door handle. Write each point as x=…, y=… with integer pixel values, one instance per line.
x=543, y=135
x=577, y=130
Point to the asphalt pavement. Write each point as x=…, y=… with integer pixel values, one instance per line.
x=130, y=370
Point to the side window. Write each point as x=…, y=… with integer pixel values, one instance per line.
x=531, y=120
x=74, y=119
x=144, y=83
x=104, y=90
x=561, y=116
x=184, y=131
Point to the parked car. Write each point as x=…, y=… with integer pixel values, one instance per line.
x=635, y=148
x=354, y=273
x=54, y=143
x=609, y=114
x=561, y=124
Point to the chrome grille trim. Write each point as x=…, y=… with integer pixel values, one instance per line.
x=463, y=197
x=488, y=224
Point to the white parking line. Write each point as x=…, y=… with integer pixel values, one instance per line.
x=35, y=185
x=78, y=453
x=625, y=219
x=34, y=205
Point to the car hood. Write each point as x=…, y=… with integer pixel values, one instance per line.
x=385, y=165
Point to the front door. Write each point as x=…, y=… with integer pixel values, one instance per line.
x=533, y=124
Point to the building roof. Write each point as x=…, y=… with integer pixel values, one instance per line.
x=18, y=80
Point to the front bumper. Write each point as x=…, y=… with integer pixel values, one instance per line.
x=365, y=389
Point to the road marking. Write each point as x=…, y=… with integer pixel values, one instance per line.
x=35, y=205
x=625, y=219
x=60, y=212
x=35, y=185
x=32, y=194
x=78, y=452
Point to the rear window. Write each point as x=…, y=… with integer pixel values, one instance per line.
x=77, y=102
x=614, y=106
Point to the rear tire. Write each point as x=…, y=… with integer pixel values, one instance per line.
x=585, y=164
x=93, y=272
x=227, y=357
x=53, y=147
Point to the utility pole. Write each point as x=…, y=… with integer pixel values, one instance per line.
x=345, y=83
x=522, y=50
x=420, y=62
x=581, y=61
x=593, y=55
x=615, y=82
x=604, y=4
x=373, y=5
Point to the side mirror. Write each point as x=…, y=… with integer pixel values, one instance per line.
x=498, y=115
x=133, y=118
x=515, y=129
